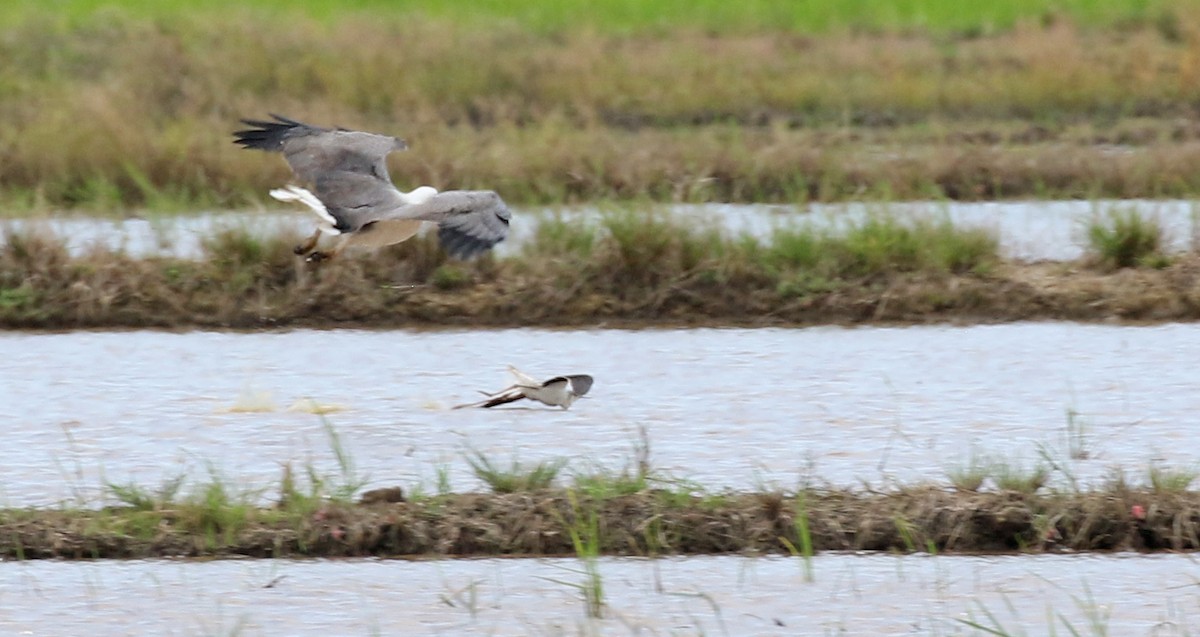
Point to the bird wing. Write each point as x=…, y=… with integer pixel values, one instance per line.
x=503, y=398
x=507, y=395
x=469, y=222
x=578, y=384
x=523, y=379
x=355, y=199
x=314, y=152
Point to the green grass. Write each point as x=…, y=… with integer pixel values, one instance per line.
x=632, y=249
x=713, y=15
x=800, y=524
x=584, y=530
x=516, y=478
x=969, y=476
x=1171, y=480
x=1126, y=239
x=216, y=511
x=1014, y=476
x=137, y=497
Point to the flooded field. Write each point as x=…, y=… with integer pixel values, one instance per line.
x=726, y=408
x=1028, y=230
x=850, y=594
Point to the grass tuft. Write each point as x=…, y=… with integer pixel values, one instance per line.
x=140, y=499
x=1014, y=477
x=517, y=478
x=1126, y=239
x=1164, y=480
x=215, y=512
x=970, y=476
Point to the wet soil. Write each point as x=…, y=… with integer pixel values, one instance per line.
x=647, y=523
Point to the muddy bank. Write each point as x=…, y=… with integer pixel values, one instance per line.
x=642, y=273
x=648, y=523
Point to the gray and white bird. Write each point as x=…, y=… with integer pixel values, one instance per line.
x=559, y=391
x=356, y=199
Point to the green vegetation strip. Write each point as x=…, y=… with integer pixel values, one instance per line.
x=629, y=268
x=608, y=516
x=108, y=107
x=632, y=15
x=541, y=509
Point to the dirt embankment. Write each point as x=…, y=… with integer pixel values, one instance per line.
x=246, y=284
x=646, y=523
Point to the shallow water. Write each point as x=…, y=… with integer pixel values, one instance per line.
x=850, y=594
x=729, y=408
x=1028, y=230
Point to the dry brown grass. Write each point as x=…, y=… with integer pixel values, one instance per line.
x=123, y=111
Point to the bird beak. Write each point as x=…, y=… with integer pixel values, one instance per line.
x=399, y=144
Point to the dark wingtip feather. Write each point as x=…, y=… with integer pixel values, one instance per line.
x=469, y=237
x=462, y=245
x=265, y=135
x=287, y=120
x=502, y=399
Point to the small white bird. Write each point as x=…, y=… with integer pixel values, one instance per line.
x=559, y=391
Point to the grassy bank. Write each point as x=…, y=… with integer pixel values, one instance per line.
x=541, y=510
x=918, y=519
x=112, y=108
x=629, y=268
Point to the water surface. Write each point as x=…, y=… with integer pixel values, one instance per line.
x=1028, y=230
x=850, y=594
x=726, y=408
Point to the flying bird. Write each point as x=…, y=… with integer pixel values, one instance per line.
x=559, y=391
x=356, y=200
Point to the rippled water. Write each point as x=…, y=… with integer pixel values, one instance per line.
x=1028, y=230
x=723, y=407
x=850, y=595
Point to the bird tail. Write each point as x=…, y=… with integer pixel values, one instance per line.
x=296, y=193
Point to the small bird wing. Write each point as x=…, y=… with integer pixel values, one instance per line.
x=579, y=384
x=507, y=395
x=523, y=379
x=503, y=398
